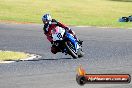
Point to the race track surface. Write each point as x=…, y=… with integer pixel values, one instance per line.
x=106, y=51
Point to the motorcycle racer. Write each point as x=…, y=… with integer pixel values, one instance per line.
x=50, y=24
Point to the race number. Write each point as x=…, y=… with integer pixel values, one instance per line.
x=59, y=35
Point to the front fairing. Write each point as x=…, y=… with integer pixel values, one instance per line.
x=71, y=38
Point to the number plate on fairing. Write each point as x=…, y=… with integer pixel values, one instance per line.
x=58, y=33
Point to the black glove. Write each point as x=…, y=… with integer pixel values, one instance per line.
x=68, y=29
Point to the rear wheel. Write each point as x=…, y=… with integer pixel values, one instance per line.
x=80, y=53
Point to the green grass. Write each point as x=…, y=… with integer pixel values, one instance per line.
x=71, y=12
x=9, y=55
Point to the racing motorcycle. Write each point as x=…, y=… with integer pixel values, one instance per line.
x=66, y=42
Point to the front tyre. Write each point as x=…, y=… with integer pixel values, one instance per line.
x=71, y=51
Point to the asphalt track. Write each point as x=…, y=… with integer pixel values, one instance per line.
x=107, y=51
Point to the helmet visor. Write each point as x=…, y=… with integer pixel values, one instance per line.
x=45, y=21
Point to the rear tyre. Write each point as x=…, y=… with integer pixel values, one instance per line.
x=80, y=53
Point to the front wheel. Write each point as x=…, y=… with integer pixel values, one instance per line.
x=71, y=51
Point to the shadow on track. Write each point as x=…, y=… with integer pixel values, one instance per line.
x=46, y=59
x=56, y=59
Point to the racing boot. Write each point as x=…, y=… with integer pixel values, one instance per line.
x=55, y=49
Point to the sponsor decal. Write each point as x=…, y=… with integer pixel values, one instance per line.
x=83, y=78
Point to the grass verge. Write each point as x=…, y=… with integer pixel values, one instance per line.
x=71, y=12
x=9, y=55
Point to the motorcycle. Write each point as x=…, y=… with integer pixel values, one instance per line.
x=66, y=42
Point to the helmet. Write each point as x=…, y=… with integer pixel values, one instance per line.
x=46, y=17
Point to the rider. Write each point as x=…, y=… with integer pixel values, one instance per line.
x=50, y=24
